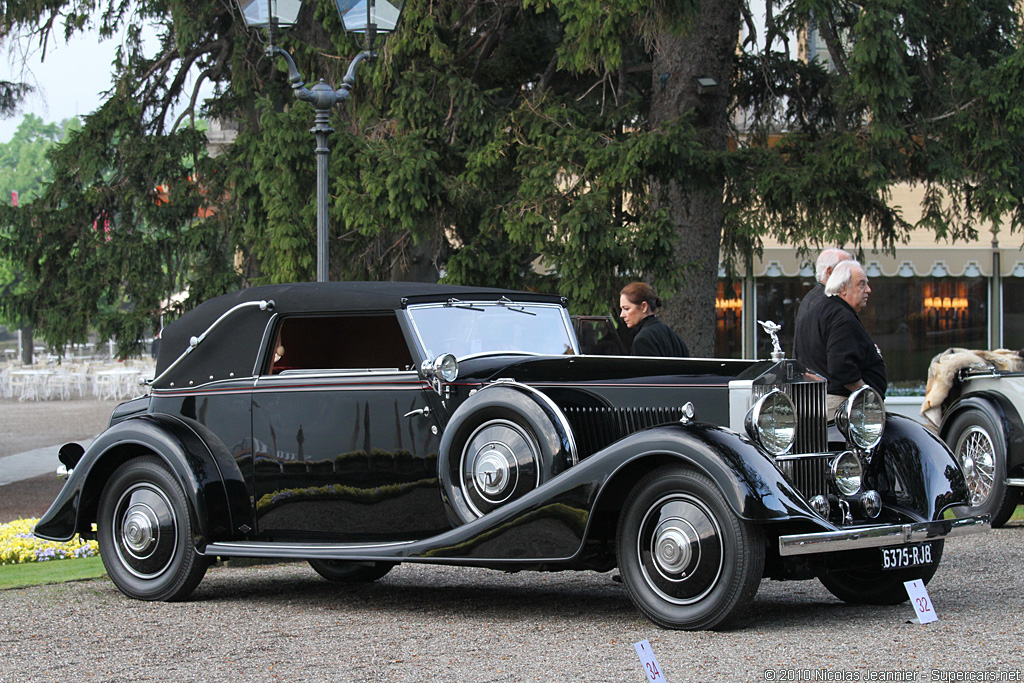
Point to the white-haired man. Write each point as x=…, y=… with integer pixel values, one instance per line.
x=838, y=346
x=828, y=259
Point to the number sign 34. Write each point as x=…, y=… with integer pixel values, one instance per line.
x=650, y=663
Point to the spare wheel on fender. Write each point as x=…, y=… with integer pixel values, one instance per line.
x=503, y=442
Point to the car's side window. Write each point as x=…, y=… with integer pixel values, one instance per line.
x=359, y=342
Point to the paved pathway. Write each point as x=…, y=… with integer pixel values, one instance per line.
x=33, y=463
x=31, y=433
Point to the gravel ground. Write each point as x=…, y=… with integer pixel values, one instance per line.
x=424, y=623
x=428, y=623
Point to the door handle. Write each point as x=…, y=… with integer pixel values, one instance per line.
x=419, y=411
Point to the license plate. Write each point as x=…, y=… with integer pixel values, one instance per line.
x=907, y=556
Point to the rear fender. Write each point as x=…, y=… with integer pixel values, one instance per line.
x=190, y=459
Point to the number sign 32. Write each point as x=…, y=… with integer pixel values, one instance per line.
x=922, y=603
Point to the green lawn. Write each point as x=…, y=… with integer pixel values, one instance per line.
x=57, y=571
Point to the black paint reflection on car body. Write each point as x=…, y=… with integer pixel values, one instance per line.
x=362, y=425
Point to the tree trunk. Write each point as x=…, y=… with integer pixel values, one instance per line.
x=706, y=51
x=27, y=345
x=417, y=264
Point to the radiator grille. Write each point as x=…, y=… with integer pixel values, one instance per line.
x=809, y=400
x=595, y=428
x=809, y=474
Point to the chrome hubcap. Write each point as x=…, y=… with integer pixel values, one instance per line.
x=145, y=530
x=492, y=471
x=977, y=458
x=680, y=548
x=673, y=547
x=499, y=463
x=139, y=529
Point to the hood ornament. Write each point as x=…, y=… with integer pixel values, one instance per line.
x=772, y=329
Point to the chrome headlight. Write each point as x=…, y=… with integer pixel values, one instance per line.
x=846, y=472
x=444, y=368
x=771, y=423
x=862, y=418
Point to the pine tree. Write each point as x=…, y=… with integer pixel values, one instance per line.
x=493, y=137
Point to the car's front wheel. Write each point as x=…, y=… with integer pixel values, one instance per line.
x=878, y=586
x=980, y=448
x=343, y=571
x=686, y=559
x=146, y=533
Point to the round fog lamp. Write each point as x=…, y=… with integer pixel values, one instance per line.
x=871, y=501
x=846, y=472
x=820, y=505
x=771, y=423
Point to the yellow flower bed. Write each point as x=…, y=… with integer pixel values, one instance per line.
x=18, y=545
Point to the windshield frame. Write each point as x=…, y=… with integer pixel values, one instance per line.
x=514, y=308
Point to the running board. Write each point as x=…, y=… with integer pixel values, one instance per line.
x=306, y=551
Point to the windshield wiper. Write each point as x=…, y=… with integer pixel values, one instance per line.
x=465, y=305
x=513, y=306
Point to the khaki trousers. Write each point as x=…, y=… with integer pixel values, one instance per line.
x=832, y=402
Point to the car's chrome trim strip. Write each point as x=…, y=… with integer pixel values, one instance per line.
x=286, y=383
x=880, y=536
x=1015, y=482
x=293, y=550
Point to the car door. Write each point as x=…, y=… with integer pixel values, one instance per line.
x=345, y=438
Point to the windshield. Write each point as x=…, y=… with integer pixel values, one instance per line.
x=465, y=328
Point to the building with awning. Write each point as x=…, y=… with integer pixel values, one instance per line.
x=927, y=296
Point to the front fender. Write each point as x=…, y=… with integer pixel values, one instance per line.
x=553, y=521
x=188, y=456
x=752, y=485
x=916, y=470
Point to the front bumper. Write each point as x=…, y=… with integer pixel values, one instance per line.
x=880, y=536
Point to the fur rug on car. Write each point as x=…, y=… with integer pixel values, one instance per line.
x=942, y=373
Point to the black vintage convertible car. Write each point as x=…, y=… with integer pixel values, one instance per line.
x=361, y=425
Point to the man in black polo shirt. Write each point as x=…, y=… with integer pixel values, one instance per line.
x=837, y=345
x=827, y=261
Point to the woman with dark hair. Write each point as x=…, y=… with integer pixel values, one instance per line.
x=652, y=337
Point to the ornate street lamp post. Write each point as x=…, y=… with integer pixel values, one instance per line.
x=368, y=17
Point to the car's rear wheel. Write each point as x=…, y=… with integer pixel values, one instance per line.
x=877, y=586
x=343, y=571
x=146, y=533
x=979, y=445
x=686, y=559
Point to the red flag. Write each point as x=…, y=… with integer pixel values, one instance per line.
x=14, y=197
